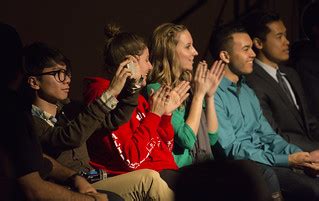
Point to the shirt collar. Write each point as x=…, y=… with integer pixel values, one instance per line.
x=269, y=69
x=38, y=112
x=226, y=83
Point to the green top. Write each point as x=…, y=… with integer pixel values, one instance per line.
x=185, y=138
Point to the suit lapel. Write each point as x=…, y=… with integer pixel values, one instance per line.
x=299, y=97
x=260, y=72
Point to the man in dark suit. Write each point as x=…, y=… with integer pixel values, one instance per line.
x=278, y=88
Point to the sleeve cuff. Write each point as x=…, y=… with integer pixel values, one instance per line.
x=166, y=119
x=281, y=160
x=108, y=100
x=152, y=119
x=213, y=137
x=154, y=115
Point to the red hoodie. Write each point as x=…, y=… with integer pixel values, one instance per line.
x=145, y=141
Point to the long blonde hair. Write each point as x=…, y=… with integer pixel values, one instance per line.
x=166, y=68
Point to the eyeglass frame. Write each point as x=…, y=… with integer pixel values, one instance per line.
x=56, y=74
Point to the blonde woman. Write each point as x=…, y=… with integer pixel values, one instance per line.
x=195, y=123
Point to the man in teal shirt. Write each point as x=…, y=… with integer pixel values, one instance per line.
x=244, y=133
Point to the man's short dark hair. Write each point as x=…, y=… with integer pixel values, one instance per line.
x=256, y=23
x=222, y=38
x=38, y=56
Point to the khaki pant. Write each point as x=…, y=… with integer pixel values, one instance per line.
x=137, y=185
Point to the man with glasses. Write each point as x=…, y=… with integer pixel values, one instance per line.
x=48, y=77
x=24, y=168
x=59, y=75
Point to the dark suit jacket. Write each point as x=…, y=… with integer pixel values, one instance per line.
x=297, y=127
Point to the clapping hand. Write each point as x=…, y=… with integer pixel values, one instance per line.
x=200, y=87
x=159, y=99
x=205, y=80
x=214, y=76
x=176, y=97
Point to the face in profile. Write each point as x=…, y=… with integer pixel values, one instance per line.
x=145, y=65
x=54, y=83
x=241, y=56
x=185, y=51
x=276, y=45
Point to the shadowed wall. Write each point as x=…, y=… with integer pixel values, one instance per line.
x=76, y=26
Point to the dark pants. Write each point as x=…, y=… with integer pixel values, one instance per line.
x=170, y=177
x=297, y=185
x=239, y=180
x=294, y=184
x=270, y=177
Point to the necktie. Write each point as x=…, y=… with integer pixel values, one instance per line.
x=284, y=86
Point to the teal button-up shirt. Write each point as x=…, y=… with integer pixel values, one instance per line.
x=244, y=132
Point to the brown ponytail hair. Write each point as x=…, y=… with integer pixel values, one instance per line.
x=118, y=45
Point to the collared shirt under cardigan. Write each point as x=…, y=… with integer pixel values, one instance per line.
x=244, y=132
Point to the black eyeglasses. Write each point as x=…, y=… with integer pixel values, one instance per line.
x=59, y=75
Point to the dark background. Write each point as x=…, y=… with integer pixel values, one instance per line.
x=76, y=26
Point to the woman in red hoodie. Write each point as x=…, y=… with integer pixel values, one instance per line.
x=146, y=141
